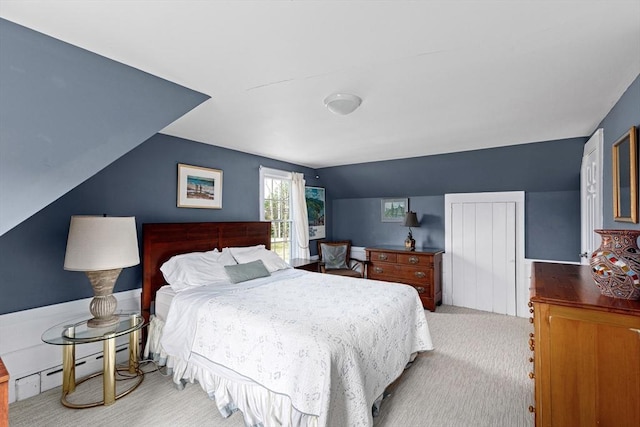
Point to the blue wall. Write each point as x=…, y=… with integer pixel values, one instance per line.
x=542, y=166
x=552, y=225
x=549, y=173
x=142, y=183
x=66, y=113
x=623, y=115
x=359, y=221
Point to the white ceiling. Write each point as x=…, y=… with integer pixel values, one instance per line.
x=434, y=76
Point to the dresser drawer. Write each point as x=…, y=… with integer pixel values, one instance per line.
x=383, y=271
x=415, y=259
x=400, y=273
x=415, y=275
x=393, y=273
x=384, y=256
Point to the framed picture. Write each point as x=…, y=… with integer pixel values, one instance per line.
x=199, y=187
x=625, y=177
x=393, y=210
x=315, y=197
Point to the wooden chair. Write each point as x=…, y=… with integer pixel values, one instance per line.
x=335, y=258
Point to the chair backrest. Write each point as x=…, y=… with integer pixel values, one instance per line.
x=336, y=254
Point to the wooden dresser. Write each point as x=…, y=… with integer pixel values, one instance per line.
x=4, y=395
x=586, y=351
x=421, y=269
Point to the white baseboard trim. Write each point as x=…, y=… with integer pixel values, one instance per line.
x=359, y=253
x=21, y=348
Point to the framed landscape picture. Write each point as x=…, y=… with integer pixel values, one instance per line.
x=315, y=197
x=199, y=187
x=393, y=210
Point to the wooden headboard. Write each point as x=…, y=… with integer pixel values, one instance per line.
x=162, y=241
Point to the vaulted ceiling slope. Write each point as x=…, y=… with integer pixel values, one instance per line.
x=66, y=113
x=435, y=76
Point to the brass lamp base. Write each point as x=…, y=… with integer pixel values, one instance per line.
x=410, y=243
x=103, y=304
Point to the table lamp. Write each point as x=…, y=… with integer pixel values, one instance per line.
x=102, y=246
x=410, y=220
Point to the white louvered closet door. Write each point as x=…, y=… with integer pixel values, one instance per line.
x=483, y=256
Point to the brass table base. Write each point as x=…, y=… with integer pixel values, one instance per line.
x=138, y=380
x=108, y=369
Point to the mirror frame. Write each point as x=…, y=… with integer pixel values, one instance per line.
x=629, y=137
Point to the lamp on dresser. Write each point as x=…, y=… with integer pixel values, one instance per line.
x=102, y=246
x=410, y=220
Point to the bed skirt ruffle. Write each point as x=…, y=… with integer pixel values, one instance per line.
x=259, y=406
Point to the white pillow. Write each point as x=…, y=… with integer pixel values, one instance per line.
x=245, y=249
x=196, y=269
x=270, y=259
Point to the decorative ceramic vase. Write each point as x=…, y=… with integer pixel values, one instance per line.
x=615, y=265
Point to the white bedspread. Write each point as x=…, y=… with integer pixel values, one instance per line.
x=330, y=343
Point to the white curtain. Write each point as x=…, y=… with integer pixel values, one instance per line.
x=300, y=241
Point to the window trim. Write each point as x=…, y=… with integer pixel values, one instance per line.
x=271, y=173
x=282, y=175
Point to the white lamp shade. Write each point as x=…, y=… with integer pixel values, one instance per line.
x=101, y=243
x=342, y=103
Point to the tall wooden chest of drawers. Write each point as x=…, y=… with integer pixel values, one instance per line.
x=586, y=351
x=421, y=269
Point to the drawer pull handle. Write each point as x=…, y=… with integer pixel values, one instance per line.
x=532, y=375
x=420, y=274
x=420, y=290
x=378, y=270
x=413, y=259
x=382, y=257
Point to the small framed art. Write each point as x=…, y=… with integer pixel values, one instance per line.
x=199, y=187
x=393, y=210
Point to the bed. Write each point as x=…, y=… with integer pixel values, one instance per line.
x=288, y=348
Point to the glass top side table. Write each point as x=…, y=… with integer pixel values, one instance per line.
x=77, y=331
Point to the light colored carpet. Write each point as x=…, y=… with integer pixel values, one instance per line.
x=476, y=376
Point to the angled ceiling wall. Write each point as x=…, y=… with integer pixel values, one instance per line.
x=66, y=113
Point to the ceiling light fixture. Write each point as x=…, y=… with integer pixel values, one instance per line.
x=342, y=103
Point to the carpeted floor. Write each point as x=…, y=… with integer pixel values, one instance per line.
x=476, y=376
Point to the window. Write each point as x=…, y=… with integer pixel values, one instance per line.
x=275, y=206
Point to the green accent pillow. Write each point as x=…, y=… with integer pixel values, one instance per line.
x=243, y=272
x=334, y=256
